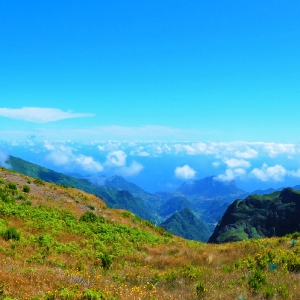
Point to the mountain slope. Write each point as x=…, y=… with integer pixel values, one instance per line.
x=187, y=225
x=258, y=216
x=62, y=243
x=113, y=198
x=175, y=204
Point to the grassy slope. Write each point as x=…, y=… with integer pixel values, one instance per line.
x=112, y=197
x=59, y=257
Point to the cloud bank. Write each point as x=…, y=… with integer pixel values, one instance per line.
x=40, y=115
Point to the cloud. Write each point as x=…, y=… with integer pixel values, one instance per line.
x=265, y=173
x=216, y=164
x=3, y=160
x=116, y=158
x=185, y=172
x=40, y=115
x=235, y=163
x=88, y=163
x=274, y=149
x=132, y=170
x=62, y=155
x=231, y=174
x=247, y=154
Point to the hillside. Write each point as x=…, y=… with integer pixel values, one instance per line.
x=113, y=197
x=62, y=243
x=185, y=224
x=258, y=216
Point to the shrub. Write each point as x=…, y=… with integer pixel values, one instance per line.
x=90, y=294
x=283, y=291
x=269, y=292
x=38, y=181
x=88, y=217
x=91, y=207
x=12, y=186
x=11, y=234
x=257, y=280
x=26, y=189
x=106, y=260
x=200, y=290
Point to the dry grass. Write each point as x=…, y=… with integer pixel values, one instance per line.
x=166, y=270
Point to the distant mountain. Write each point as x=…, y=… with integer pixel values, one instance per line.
x=208, y=188
x=258, y=216
x=187, y=225
x=114, y=198
x=175, y=204
x=151, y=201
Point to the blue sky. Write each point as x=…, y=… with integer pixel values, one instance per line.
x=156, y=71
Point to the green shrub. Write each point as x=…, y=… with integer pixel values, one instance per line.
x=90, y=294
x=12, y=186
x=26, y=189
x=293, y=265
x=88, y=217
x=256, y=280
x=200, y=290
x=38, y=181
x=106, y=260
x=11, y=233
x=283, y=291
x=268, y=292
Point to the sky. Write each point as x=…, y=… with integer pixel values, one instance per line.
x=77, y=77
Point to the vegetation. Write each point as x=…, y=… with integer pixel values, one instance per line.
x=113, y=197
x=48, y=250
x=187, y=225
x=275, y=214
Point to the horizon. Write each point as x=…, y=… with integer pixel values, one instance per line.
x=159, y=92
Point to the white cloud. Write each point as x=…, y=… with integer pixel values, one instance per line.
x=40, y=115
x=231, y=174
x=274, y=149
x=216, y=164
x=235, y=163
x=3, y=158
x=116, y=158
x=62, y=155
x=265, y=173
x=294, y=173
x=185, y=172
x=88, y=163
x=132, y=170
x=247, y=154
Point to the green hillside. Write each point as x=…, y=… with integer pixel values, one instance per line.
x=258, y=216
x=187, y=225
x=62, y=243
x=113, y=198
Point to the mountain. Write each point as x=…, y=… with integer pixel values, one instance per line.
x=113, y=198
x=187, y=225
x=208, y=188
x=258, y=216
x=175, y=204
x=62, y=243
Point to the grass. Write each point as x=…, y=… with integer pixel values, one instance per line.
x=68, y=245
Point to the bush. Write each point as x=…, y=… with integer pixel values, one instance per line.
x=26, y=189
x=90, y=294
x=39, y=181
x=11, y=234
x=88, y=217
x=257, y=280
x=12, y=186
x=200, y=289
x=106, y=260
